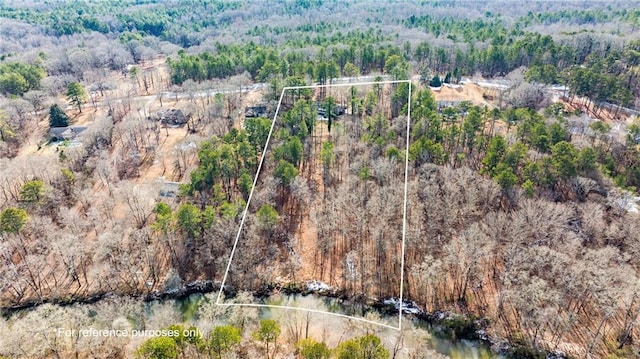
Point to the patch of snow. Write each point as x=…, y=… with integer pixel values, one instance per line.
x=173, y=291
x=625, y=201
x=318, y=286
x=482, y=334
x=633, y=205
x=408, y=307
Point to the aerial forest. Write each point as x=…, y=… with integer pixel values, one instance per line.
x=481, y=160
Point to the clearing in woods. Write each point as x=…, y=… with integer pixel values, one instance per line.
x=301, y=215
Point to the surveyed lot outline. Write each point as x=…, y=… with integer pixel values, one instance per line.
x=253, y=187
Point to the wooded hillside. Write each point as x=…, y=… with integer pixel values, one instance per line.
x=131, y=133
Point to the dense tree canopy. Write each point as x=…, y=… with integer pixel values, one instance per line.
x=223, y=339
x=366, y=347
x=158, y=348
x=519, y=212
x=311, y=349
x=12, y=220
x=17, y=78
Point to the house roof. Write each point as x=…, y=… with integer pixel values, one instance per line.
x=66, y=132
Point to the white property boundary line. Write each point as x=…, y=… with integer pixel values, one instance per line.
x=255, y=181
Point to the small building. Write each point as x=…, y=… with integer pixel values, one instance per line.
x=444, y=104
x=172, y=117
x=67, y=133
x=168, y=189
x=338, y=110
x=255, y=111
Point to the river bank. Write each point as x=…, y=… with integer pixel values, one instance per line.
x=448, y=333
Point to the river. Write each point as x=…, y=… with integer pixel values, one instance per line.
x=418, y=335
x=60, y=327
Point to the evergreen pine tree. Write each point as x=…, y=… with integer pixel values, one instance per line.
x=57, y=117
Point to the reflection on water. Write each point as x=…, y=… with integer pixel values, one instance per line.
x=189, y=306
x=416, y=340
x=333, y=329
x=460, y=349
